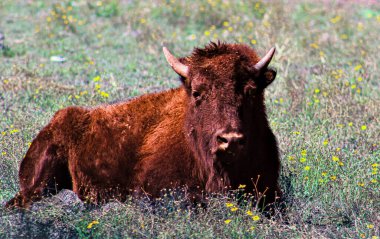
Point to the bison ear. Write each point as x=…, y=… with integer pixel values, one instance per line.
x=268, y=77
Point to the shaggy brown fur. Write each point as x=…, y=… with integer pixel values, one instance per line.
x=211, y=134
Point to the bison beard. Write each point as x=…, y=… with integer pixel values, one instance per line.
x=210, y=134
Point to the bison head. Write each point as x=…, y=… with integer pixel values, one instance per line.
x=225, y=86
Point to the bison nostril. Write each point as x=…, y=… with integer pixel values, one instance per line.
x=241, y=141
x=221, y=139
x=230, y=141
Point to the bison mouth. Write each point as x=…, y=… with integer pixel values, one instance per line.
x=226, y=157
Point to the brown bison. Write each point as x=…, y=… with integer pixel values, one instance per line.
x=210, y=134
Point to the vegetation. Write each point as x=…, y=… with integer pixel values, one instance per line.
x=323, y=107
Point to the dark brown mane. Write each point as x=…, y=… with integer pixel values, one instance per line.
x=214, y=49
x=210, y=50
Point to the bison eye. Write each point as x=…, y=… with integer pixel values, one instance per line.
x=250, y=90
x=196, y=94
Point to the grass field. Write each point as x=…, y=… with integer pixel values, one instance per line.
x=324, y=106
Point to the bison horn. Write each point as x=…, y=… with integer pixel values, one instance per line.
x=177, y=66
x=264, y=62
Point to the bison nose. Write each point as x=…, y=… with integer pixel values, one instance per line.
x=230, y=140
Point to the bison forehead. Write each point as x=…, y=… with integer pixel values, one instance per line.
x=223, y=54
x=221, y=60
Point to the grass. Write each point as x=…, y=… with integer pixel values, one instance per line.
x=323, y=106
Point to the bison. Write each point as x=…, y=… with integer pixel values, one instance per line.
x=211, y=134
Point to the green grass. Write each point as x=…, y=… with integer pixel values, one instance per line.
x=323, y=106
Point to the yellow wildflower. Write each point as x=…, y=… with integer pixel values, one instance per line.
x=249, y=213
x=314, y=45
x=256, y=218
x=91, y=224
x=302, y=160
x=192, y=37
x=104, y=94
x=307, y=168
x=303, y=152
x=358, y=67
x=233, y=209
x=370, y=226
x=242, y=186
x=364, y=127
x=83, y=92
x=229, y=204
x=14, y=131
x=344, y=36
x=227, y=221
x=333, y=178
x=335, y=158
x=335, y=19
x=360, y=26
